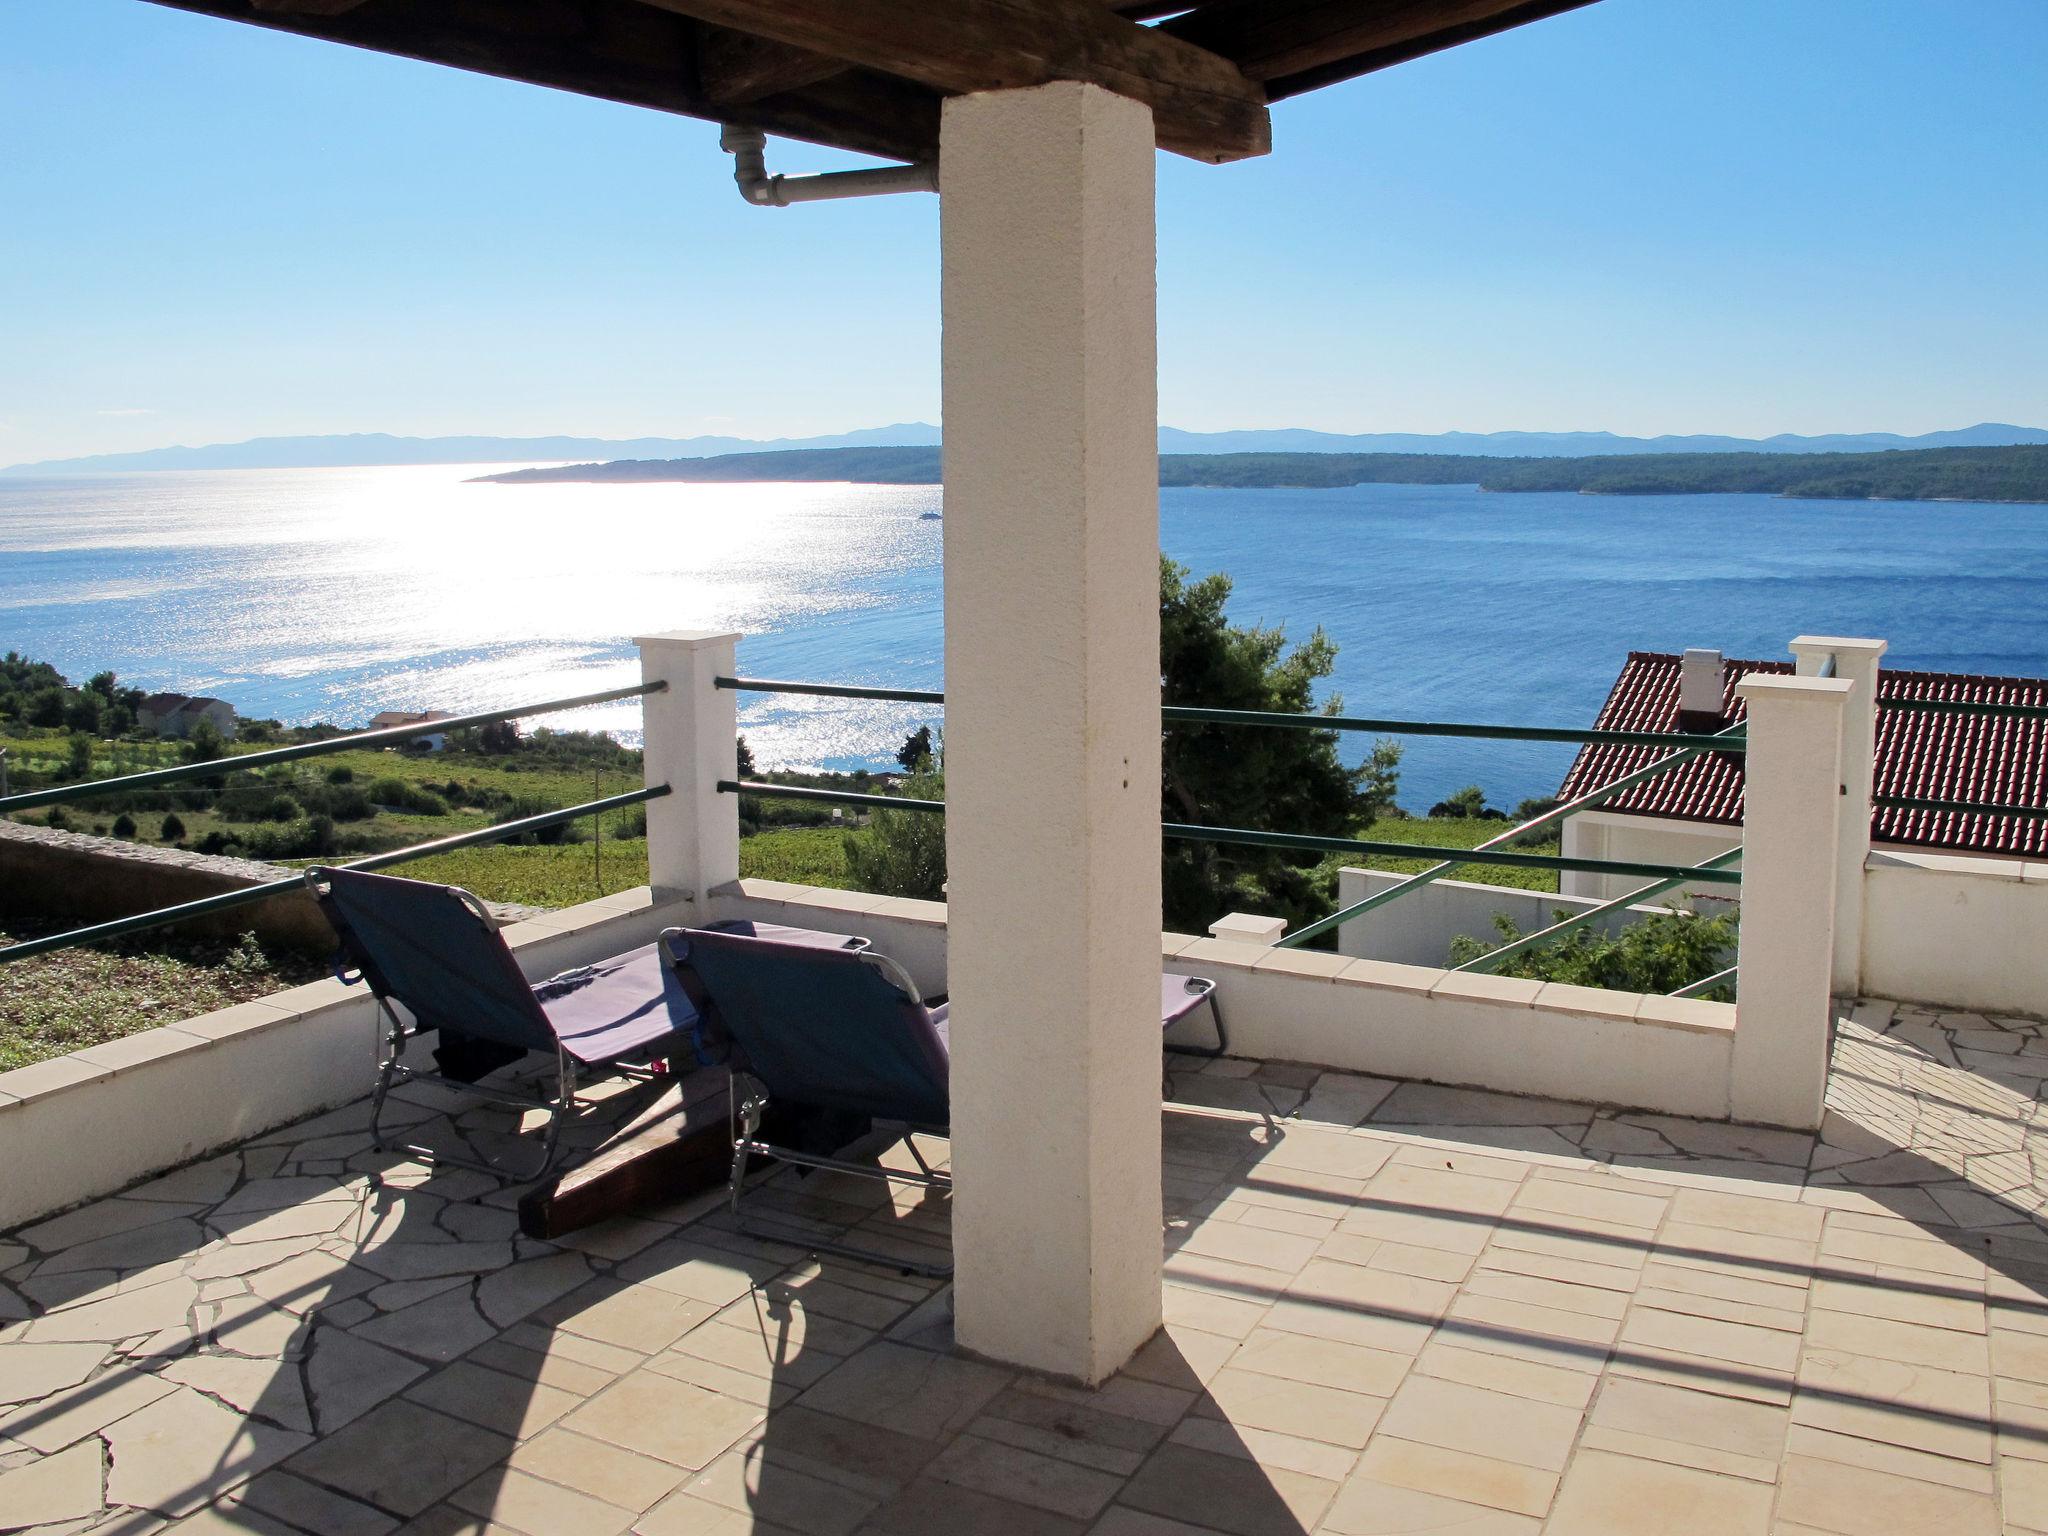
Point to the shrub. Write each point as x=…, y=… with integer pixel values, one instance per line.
x=402, y=795
x=58, y=818
x=561, y=832
x=348, y=804
x=903, y=853
x=172, y=830
x=78, y=758
x=280, y=808
x=341, y=774
x=1468, y=804
x=1656, y=954
x=124, y=825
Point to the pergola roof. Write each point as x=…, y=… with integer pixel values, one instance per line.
x=868, y=75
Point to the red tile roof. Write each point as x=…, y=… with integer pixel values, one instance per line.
x=1920, y=755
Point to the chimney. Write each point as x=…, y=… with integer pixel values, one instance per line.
x=1700, y=692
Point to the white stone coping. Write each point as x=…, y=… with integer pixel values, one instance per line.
x=1982, y=866
x=1682, y=1013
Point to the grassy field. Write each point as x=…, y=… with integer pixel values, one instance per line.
x=564, y=875
x=1446, y=832
x=80, y=997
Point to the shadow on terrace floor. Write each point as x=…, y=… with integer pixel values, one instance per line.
x=1390, y=1307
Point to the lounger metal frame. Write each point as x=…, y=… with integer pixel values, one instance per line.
x=394, y=1071
x=747, y=1097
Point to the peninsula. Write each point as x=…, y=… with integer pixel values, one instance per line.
x=2012, y=474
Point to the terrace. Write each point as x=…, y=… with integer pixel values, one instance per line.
x=1388, y=1307
x=1432, y=1249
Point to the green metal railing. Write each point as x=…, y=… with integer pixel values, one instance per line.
x=235, y=763
x=1529, y=941
x=1494, y=851
x=1725, y=978
x=239, y=762
x=1303, y=842
x=1724, y=741
x=1965, y=707
x=121, y=926
x=1189, y=714
x=1961, y=807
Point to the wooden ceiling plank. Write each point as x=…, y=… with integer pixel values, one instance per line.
x=1202, y=105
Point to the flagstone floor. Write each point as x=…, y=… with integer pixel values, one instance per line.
x=1390, y=1307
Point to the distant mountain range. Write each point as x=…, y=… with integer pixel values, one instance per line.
x=371, y=448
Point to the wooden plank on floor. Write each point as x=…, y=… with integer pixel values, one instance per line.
x=680, y=1142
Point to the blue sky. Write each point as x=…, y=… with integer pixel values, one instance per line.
x=1647, y=216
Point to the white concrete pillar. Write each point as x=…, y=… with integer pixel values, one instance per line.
x=1052, y=724
x=1856, y=663
x=690, y=731
x=1791, y=831
x=1250, y=928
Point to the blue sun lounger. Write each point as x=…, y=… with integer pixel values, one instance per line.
x=842, y=1029
x=435, y=951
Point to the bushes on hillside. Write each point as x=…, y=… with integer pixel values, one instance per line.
x=1656, y=954
x=401, y=795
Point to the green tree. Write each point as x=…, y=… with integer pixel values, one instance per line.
x=1233, y=776
x=83, y=711
x=1212, y=775
x=903, y=853
x=1654, y=954
x=172, y=830
x=78, y=758
x=916, y=749
x=205, y=744
x=124, y=825
x=1468, y=804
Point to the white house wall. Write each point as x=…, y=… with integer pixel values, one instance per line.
x=1645, y=840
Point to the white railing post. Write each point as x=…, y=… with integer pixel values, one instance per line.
x=1249, y=928
x=1856, y=663
x=691, y=730
x=1791, y=831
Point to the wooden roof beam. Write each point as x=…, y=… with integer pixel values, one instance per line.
x=1202, y=105
x=738, y=67
x=1294, y=46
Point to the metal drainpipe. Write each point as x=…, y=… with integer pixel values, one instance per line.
x=749, y=150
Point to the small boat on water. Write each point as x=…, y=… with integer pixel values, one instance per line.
x=928, y=517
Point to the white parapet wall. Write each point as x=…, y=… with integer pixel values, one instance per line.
x=1961, y=932
x=1417, y=929
x=83, y=1125
x=1671, y=1055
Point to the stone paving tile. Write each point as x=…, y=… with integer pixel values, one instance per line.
x=1608, y=1495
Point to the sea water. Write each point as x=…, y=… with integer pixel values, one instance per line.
x=329, y=594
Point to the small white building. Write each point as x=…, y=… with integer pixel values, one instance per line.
x=175, y=714
x=433, y=741
x=1695, y=811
